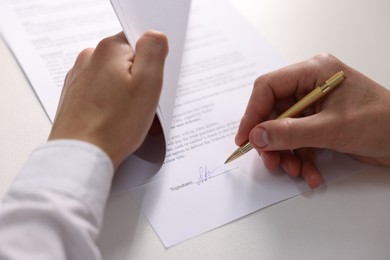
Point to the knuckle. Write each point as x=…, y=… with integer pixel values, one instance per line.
x=105, y=43
x=108, y=44
x=84, y=54
x=288, y=134
x=261, y=81
x=326, y=58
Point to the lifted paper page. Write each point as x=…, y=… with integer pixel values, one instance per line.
x=194, y=191
x=170, y=17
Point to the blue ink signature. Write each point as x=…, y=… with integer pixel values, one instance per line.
x=205, y=174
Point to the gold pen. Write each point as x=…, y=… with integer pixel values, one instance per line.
x=300, y=106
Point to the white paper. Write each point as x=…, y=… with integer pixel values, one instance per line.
x=46, y=37
x=170, y=17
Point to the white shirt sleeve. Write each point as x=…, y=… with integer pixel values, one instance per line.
x=55, y=206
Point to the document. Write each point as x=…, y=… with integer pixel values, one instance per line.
x=193, y=192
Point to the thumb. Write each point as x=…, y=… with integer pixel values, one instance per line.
x=151, y=51
x=293, y=133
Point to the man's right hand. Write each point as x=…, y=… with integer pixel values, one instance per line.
x=353, y=119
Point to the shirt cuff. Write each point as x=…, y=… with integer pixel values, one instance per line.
x=75, y=168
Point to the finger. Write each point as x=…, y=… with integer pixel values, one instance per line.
x=317, y=130
x=294, y=165
x=295, y=80
x=291, y=164
x=271, y=160
x=84, y=57
x=152, y=49
x=113, y=50
x=309, y=171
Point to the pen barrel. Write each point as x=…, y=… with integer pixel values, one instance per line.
x=246, y=148
x=333, y=82
x=302, y=104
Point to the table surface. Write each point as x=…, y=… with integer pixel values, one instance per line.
x=348, y=219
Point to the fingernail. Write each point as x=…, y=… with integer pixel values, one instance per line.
x=259, y=137
x=313, y=181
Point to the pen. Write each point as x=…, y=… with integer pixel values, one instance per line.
x=301, y=105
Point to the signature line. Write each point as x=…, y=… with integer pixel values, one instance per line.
x=213, y=176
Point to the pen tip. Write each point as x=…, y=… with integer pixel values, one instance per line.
x=239, y=152
x=228, y=160
x=234, y=156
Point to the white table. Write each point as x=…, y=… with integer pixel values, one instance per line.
x=349, y=219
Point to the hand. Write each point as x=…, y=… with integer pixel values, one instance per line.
x=353, y=119
x=110, y=95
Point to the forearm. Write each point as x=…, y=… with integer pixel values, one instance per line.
x=54, y=208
